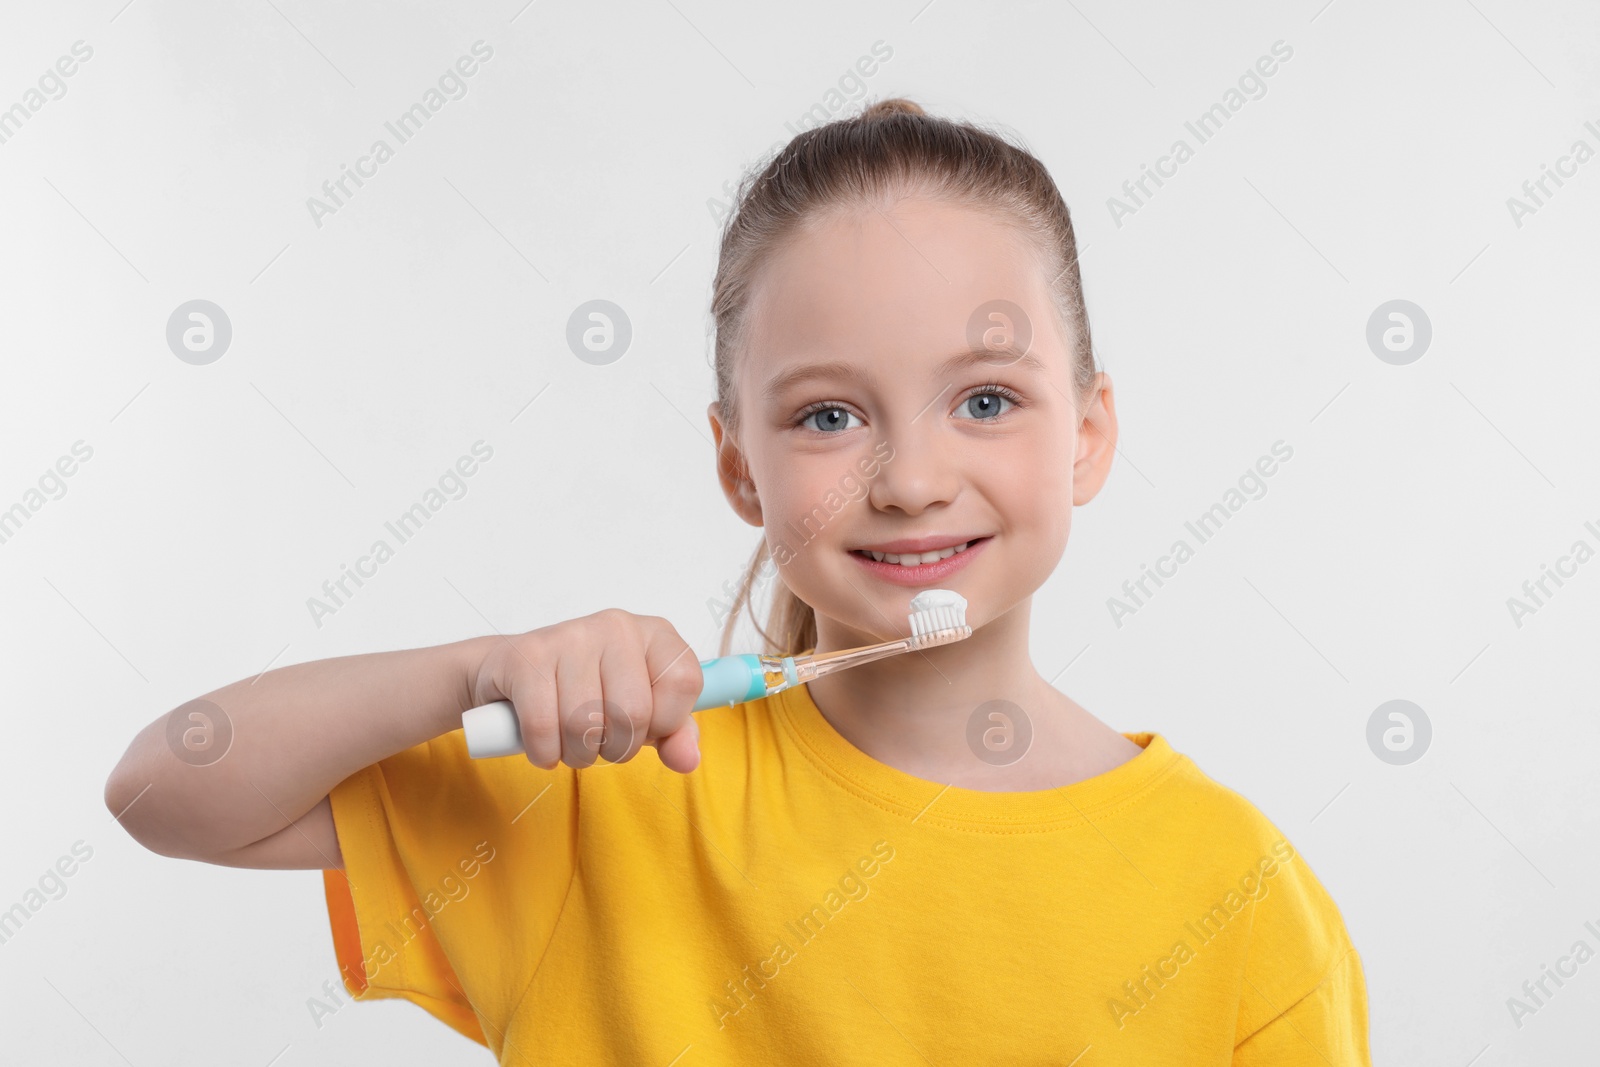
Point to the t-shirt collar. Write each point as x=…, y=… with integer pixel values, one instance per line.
x=922, y=800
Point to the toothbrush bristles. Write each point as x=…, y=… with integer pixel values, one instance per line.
x=938, y=626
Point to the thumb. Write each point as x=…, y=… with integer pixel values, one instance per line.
x=680, y=751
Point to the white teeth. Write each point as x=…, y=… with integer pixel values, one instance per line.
x=914, y=559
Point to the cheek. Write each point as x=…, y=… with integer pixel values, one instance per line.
x=1044, y=515
x=802, y=511
x=792, y=495
x=1037, y=488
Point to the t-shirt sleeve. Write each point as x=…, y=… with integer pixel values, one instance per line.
x=1302, y=994
x=1327, y=1026
x=455, y=871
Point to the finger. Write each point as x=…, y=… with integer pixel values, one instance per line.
x=578, y=698
x=680, y=751
x=535, y=700
x=675, y=680
x=625, y=686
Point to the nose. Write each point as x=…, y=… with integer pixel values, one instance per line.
x=920, y=473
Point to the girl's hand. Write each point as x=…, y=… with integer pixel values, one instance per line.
x=601, y=685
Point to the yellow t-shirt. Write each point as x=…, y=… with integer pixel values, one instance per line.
x=793, y=900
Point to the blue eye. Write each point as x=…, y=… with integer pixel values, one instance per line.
x=984, y=405
x=835, y=421
x=987, y=403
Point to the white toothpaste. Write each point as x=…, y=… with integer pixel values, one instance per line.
x=938, y=598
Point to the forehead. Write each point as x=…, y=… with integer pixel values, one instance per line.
x=899, y=283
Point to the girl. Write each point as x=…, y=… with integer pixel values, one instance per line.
x=932, y=858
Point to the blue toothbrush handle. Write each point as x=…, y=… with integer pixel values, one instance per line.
x=731, y=680
x=493, y=730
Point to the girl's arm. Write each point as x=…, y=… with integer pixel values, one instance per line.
x=298, y=731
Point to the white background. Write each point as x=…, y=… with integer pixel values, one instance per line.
x=372, y=351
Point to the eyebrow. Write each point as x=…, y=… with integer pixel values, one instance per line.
x=838, y=369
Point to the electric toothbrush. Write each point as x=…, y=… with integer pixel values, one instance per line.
x=938, y=617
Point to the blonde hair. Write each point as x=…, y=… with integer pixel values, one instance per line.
x=892, y=146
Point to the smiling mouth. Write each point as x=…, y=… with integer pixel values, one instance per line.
x=917, y=559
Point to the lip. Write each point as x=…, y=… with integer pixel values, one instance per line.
x=922, y=573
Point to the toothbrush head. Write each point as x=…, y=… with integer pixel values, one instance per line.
x=938, y=617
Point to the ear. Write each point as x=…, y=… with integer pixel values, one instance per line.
x=1097, y=441
x=733, y=472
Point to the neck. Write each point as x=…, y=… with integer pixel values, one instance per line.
x=913, y=711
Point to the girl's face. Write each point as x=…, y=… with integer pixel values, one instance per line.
x=867, y=418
